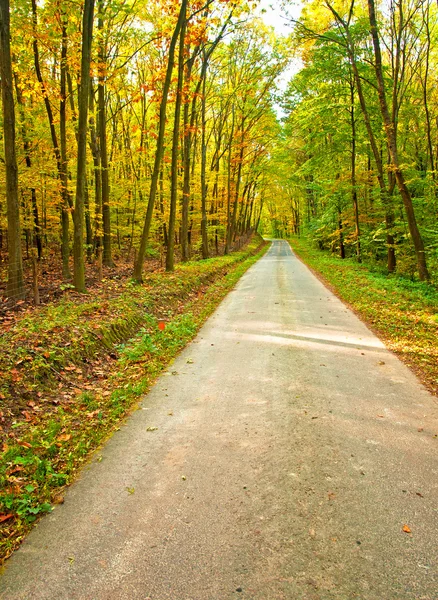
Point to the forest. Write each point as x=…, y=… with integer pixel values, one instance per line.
x=150, y=150
x=137, y=130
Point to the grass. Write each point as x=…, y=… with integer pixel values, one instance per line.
x=72, y=371
x=404, y=313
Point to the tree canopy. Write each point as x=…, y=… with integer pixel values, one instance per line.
x=143, y=129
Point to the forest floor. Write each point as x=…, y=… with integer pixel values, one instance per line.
x=72, y=369
x=403, y=313
x=286, y=453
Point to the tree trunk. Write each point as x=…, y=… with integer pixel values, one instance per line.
x=28, y=161
x=15, y=286
x=175, y=148
x=78, y=240
x=353, y=174
x=385, y=196
x=188, y=138
x=390, y=131
x=106, y=214
x=60, y=153
x=341, y=235
x=95, y=151
x=138, y=266
x=204, y=229
x=186, y=183
x=63, y=173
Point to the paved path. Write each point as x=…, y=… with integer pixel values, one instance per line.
x=291, y=450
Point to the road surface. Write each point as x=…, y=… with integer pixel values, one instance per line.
x=290, y=452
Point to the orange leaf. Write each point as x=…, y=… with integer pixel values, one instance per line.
x=64, y=437
x=5, y=517
x=24, y=444
x=406, y=529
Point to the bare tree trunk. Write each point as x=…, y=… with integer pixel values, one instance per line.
x=15, y=285
x=78, y=240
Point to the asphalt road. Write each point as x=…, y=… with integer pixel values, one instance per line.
x=291, y=449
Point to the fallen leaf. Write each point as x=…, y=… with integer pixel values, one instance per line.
x=406, y=529
x=5, y=517
x=24, y=444
x=152, y=429
x=64, y=437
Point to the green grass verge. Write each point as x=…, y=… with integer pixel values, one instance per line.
x=59, y=358
x=402, y=312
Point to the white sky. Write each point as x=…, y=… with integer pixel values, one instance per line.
x=275, y=16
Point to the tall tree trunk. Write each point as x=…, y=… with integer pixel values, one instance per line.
x=233, y=223
x=60, y=156
x=28, y=161
x=15, y=286
x=227, y=248
x=384, y=195
x=95, y=151
x=78, y=240
x=138, y=266
x=424, y=84
x=341, y=235
x=390, y=131
x=175, y=152
x=186, y=182
x=204, y=229
x=63, y=173
x=188, y=139
x=353, y=173
x=106, y=214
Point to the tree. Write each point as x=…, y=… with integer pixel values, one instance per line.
x=391, y=135
x=175, y=148
x=15, y=287
x=78, y=245
x=138, y=266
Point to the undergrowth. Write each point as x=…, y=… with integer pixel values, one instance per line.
x=404, y=313
x=71, y=372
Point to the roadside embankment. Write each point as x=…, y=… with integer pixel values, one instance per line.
x=70, y=372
